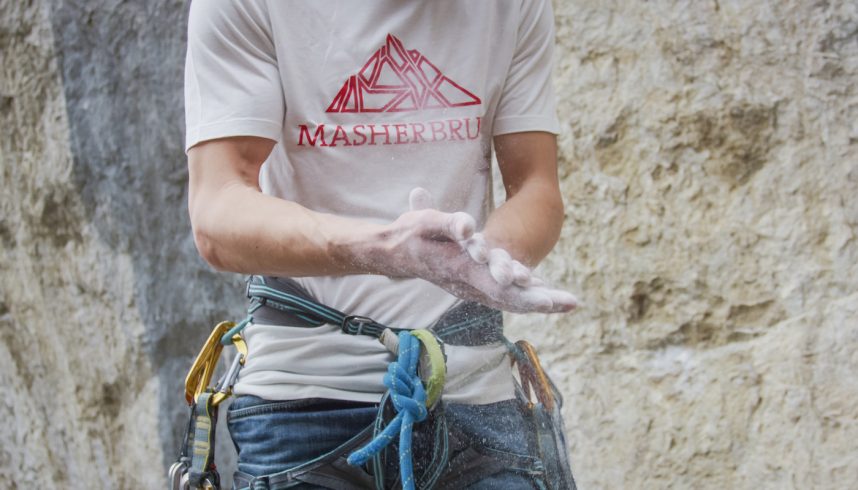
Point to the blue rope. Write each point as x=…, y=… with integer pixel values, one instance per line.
x=409, y=399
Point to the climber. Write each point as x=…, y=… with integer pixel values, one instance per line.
x=381, y=225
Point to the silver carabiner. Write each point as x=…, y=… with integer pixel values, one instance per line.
x=228, y=381
x=178, y=476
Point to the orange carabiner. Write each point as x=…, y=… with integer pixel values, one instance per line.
x=533, y=376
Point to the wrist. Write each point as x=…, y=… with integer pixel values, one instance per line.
x=510, y=246
x=359, y=249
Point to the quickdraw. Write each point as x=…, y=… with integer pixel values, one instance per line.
x=533, y=377
x=195, y=467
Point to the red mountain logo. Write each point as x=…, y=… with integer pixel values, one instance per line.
x=396, y=79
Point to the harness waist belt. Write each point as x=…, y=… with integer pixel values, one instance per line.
x=282, y=301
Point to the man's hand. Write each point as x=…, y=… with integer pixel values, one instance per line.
x=443, y=249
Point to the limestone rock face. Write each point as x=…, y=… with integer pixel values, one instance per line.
x=708, y=162
x=710, y=170
x=103, y=298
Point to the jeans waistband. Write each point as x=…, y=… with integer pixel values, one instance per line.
x=457, y=457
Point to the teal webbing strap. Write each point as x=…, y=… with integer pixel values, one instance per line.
x=308, y=310
x=226, y=339
x=284, y=302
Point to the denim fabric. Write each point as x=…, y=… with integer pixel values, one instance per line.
x=272, y=436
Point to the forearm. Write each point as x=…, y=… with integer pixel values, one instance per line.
x=242, y=230
x=528, y=224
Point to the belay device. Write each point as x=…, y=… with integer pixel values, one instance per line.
x=415, y=383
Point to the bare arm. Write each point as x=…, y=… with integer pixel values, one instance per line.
x=528, y=224
x=239, y=229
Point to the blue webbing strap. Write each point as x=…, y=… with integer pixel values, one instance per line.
x=409, y=399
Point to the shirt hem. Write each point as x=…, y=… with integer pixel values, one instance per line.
x=233, y=127
x=283, y=393
x=519, y=124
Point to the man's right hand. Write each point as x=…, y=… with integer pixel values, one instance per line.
x=443, y=249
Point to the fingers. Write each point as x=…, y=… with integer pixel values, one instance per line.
x=562, y=301
x=510, y=285
x=542, y=300
x=520, y=274
x=501, y=266
x=535, y=300
x=477, y=248
x=507, y=270
x=461, y=226
x=527, y=293
x=522, y=292
x=420, y=198
x=480, y=284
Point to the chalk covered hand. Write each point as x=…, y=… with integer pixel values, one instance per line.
x=444, y=249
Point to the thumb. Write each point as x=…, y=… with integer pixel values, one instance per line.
x=420, y=198
x=451, y=226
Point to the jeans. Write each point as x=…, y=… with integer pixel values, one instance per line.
x=272, y=436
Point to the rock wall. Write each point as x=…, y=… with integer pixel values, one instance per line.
x=709, y=169
x=97, y=329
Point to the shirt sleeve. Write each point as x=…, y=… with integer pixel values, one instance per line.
x=232, y=82
x=527, y=102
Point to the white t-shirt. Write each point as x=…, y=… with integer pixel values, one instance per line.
x=366, y=101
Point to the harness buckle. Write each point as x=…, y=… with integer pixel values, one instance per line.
x=359, y=321
x=247, y=283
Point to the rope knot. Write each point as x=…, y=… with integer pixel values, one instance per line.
x=406, y=388
x=409, y=399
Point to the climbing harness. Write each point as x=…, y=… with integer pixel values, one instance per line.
x=414, y=382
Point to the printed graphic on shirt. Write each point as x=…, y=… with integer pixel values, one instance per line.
x=396, y=79
x=399, y=80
